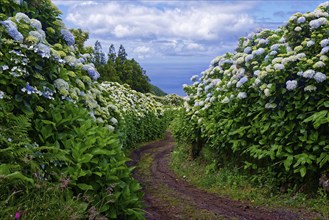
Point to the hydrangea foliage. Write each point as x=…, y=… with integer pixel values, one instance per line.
x=269, y=105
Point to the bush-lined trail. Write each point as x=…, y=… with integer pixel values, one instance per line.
x=170, y=197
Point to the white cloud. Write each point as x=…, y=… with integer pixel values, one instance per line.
x=167, y=27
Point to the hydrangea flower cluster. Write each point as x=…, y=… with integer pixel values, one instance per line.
x=12, y=31
x=68, y=37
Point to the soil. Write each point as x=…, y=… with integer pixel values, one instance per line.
x=167, y=196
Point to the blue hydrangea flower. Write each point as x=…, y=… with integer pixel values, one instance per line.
x=91, y=71
x=242, y=81
x=68, y=37
x=12, y=31
x=47, y=93
x=36, y=24
x=30, y=89
x=320, y=77
x=291, y=84
x=43, y=50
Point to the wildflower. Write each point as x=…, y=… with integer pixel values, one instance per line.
x=310, y=43
x=242, y=95
x=291, y=84
x=12, y=31
x=318, y=22
x=2, y=94
x=242, y=81
x=320, y=77
x=278, y=66
x=298, y=29
x=309, y=88
x=324, y=50
x=68, y=37
x=308, y=74
x=324, y=42
x=18, y=215
x=91, y=71
x=301, y=20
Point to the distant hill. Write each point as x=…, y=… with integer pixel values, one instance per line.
x=157, y=91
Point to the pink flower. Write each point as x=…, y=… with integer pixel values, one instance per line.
x=18, y=215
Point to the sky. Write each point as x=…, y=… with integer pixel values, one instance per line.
x=173, y=40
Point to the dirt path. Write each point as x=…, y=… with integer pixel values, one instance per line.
x=169, y=197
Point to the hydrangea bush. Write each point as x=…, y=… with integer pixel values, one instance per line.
x=266, y=105
x=69, y=129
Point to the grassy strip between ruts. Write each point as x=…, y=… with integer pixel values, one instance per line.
x=234, y=184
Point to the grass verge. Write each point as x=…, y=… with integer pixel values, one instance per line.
x=232, y=183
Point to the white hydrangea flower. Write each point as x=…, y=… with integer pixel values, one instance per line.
x=291, y=84
x=194, y=78
x=263, y=41
x=247, y=50
x=259, y=51
x=256, y=72
x=324, y=50
x=310, y=88
x=240, y=60
x=275, y=46
x=308, y=74
x=225, y=100
x=114, y=121
x=278, y=66
x=318, y=22
x=273, y=53
x=324, y=42
x=270, y=105
x=310, y=43
x=298, y=29
x=301, y=20
x=2, y=94
x=267, y=92
x=319, y=64
x=242, y=95
x=242, y=81
x=320, y=77
x=248, y=58
x=277, y=60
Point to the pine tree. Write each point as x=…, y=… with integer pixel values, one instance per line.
x=99, y=56
x=122, y=55
x=112, y=55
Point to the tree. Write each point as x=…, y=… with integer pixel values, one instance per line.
x=122, y=55
x=111, y=55
x=99, y=56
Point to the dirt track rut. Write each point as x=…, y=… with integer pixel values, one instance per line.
x=170, y=197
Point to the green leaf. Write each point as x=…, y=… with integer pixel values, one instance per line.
x=287, y=162
x=84, y=186
x=302, y=171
